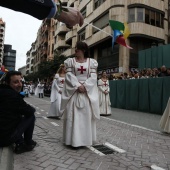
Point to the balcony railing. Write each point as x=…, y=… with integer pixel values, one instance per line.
x=61, y=44
x=68, y=36
x=61, y=30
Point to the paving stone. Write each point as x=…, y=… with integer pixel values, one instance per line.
x=142, y=146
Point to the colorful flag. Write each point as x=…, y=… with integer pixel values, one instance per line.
x=120, y=33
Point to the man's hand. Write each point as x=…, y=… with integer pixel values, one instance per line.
x=71, y=17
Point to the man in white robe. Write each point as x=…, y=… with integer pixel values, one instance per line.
x=81, y=110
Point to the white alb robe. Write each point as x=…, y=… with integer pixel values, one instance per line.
x=165, y=119
x=104, y=99
x=80, y=109
x=55, y=96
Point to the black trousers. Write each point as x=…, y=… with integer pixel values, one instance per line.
x=41, y=95
x=24, y=130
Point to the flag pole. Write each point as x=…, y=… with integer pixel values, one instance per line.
x=98, y=28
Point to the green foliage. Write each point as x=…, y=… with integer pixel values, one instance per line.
x=47, y=69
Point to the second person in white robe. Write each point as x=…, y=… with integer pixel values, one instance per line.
x=56, y=91
x=104, y=97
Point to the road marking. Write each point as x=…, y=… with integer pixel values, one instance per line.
x=37, y=107
x=38, y=113
x=155, y=167
x=47, y=113
x=115, y=148
x=95, y=151
x=141, y=127
x=44, y=117
x=42, y=110
x=55, y=124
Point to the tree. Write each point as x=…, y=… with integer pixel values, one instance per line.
x=47, y=69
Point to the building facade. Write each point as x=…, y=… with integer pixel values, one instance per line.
x=2, y=37
x=22, y=70
x=9, y=60
x=31, y=55
x=147, y=21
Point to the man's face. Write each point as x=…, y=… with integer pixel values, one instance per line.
x=16, y=83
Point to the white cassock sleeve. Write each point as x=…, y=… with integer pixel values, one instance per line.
x=54, y=89
x=92, y=90
x=55, y=85
x=100, y=85
x=71, y=84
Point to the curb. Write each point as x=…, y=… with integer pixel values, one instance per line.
x=6, y=159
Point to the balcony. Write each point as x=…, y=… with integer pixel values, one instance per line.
x=2, y=28
x=139, y=28
x=61, y=30
x=44, y=29
x=64, y=2
x=61, y=44
x=69, y=52
x=70, y=2
x=69, y=36
x=43, y=51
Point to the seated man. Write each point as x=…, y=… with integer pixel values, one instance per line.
x=17, y=118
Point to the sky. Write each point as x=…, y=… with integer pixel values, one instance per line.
x=20, y=32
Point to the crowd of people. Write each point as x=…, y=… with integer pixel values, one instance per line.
x=143, y=73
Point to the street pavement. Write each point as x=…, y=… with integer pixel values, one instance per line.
x=135, y=133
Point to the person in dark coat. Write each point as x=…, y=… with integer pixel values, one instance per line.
x=17, y=118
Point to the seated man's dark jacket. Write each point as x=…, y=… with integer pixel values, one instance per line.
x=12, y=107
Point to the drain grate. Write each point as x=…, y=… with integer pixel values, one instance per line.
x=104, y=149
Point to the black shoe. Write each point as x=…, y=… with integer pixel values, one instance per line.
x=20, y=148
x=30, y=145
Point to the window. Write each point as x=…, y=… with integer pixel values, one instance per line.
x=83, y=12
x=97, y=3
x=147, y=16
x=140, y=14
x=147, y=19
x=101, y=23
x=132, y=15
x=152, y=18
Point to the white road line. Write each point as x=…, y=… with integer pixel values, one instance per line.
x=42, y=110
x=37, y=107
x=141, y=127
x=38, y=113
x=44, y=117
x=96, y=151
x=55, y=124
x=115, y=148
x=41, y=99
x=47, y=113
x=155, y=167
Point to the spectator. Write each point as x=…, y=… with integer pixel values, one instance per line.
x=163, y=71
x=16, y=116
